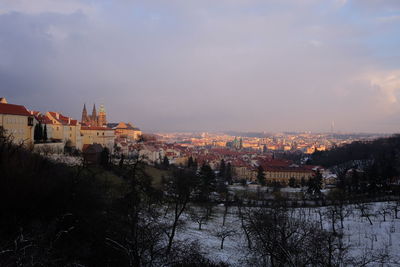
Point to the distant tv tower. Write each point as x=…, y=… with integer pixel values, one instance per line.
x=332, y=127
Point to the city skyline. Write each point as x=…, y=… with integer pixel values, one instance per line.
x=205, y=66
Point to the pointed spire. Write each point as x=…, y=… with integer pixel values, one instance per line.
x=84, y=113
x=94, y=112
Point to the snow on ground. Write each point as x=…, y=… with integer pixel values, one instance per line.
x=257, y=188
x=66, y=159
x=358, y=233
x=234, y=247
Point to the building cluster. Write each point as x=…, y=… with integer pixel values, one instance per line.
x=245, y=154
x=57, y=132
x=306, y=143
x=244, y=163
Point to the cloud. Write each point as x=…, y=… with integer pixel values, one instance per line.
x=386, y=86
x=45, y=6
x=200, y=65
x=340, y=3
x=315, y=43
x=392, y=18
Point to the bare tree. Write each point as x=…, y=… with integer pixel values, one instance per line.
x=396, y=207
x=384, y=210
x=223, y=233
x=178, y=194
x=199, y=215
x=332, y=214
x=365, y=211
x=280, y=238
x=244, y=225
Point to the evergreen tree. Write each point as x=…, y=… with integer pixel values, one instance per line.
x=354, y=184
x=121, y=161
x=292, y=182
x=40, y=132
x=36, y=133
x=45, y=133
x=190, y=162
x=105, y=158
x=166, y=162
x=207, y=182
x=228, y=173
x=315, y=184
x=303, y=182
x=222, y=169
x=261, y=176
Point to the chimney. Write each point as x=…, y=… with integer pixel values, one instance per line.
x=57, y=115
x=3, y=100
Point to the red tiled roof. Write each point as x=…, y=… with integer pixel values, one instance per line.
x=93, y=128
x=239, y=163
x=287, y=169
x=54, y=114
x=44, y=119
x=13, y=110
x=64, y=119
x=85, y=146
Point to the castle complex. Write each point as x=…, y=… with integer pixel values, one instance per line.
x=94, y=120
x=52, y=131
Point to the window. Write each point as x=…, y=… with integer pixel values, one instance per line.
x=97, y=133
x=30, y=121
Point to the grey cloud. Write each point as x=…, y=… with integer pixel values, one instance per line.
x=197, y=65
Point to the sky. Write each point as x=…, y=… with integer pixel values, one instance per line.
x=207, y=65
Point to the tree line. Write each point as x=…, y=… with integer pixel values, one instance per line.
x=364, y=167
x=52, y=214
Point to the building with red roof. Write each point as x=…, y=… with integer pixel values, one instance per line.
x=62, y=128
x=17, y=121
x=98, y=135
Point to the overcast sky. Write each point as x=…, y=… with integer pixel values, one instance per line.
x=207, y=65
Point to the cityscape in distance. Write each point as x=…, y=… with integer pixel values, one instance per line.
x=200, y=133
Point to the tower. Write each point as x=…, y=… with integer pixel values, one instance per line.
x=93, y=119
x=102, y=118
x=84, y=114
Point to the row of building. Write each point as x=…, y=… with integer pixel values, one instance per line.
x=63, y=131
x=244, y=163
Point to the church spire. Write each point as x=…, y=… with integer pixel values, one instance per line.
x=94, y=113
x=84, y=114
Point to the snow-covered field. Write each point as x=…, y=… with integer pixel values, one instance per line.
x=362, y=237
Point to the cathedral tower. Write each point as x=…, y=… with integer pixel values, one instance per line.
x=84, y=114
x=102, y=118
x=94, y=116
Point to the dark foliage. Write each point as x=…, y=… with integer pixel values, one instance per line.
x=261, y=176
x=364, y=167
x=55, y=215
